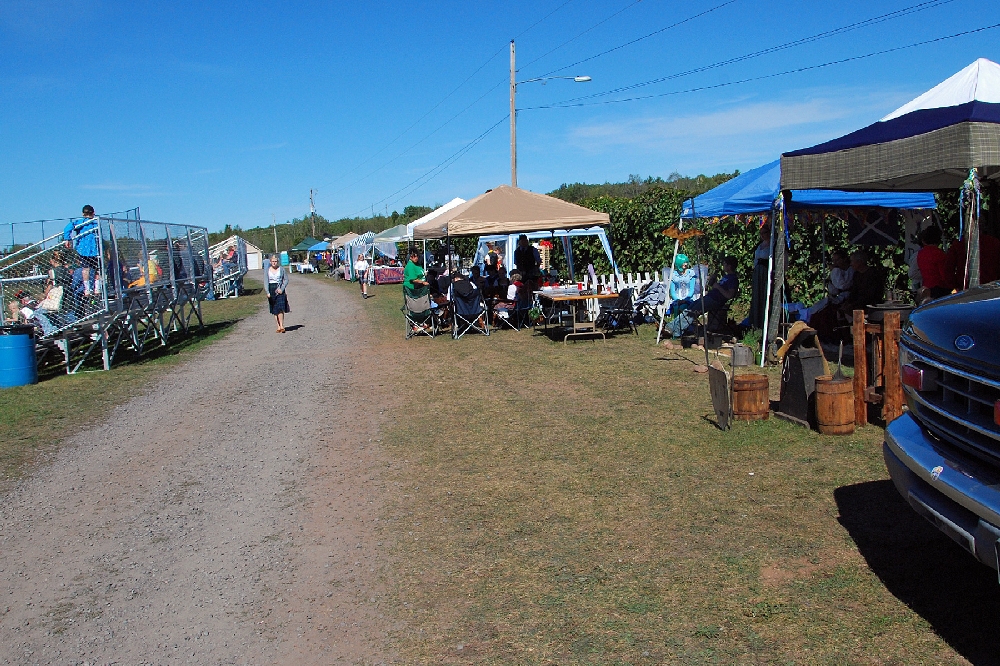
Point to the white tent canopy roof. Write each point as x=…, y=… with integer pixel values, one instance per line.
x=979, y=82
x=431, y=215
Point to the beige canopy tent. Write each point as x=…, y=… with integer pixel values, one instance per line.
x=340, y=241
x=508, y=210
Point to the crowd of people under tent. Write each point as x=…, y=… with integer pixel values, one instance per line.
x=854, y=281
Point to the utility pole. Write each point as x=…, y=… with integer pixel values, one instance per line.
x=275, y=230
x=513, y=120
x=312, y=210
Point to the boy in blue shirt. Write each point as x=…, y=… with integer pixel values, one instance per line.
x=83, y=235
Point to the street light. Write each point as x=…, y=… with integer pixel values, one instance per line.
x=514, y=83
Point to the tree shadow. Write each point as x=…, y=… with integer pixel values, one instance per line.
x=924, y=569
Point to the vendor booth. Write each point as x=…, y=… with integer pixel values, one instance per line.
x=946, y=139
x=508, y=210
x=352, y=249
x=509, y=242
x=757, y=193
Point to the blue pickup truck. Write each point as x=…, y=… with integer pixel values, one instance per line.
x=944, y=454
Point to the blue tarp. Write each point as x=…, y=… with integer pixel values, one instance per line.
x=321, y=246
x=756, y=190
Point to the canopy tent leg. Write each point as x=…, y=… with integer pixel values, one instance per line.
x=971, y=198
x=776, y=269
x=666, y=301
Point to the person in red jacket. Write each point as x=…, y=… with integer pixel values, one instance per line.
x=989, y=261
x=931, y=261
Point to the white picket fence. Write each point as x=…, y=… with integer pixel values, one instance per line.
x=621, y=281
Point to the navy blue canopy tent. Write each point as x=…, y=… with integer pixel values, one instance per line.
x=757, y=190
x=946, y=139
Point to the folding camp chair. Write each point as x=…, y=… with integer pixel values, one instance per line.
x=418, y=313
x=469, y=313
x=619, y=316
x=504, y=312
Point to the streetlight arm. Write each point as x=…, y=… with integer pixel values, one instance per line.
x=578, y=79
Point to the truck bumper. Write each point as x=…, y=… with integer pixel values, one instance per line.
x=957, y=494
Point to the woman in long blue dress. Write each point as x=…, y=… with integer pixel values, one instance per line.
x=277, y=299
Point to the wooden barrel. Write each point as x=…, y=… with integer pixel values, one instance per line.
x=834, y=406
x=751, y=401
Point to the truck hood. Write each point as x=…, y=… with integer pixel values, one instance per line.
x=974, y=313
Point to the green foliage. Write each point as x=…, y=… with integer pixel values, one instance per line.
x=579, y=192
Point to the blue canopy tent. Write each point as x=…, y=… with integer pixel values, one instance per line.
x=509, y=242
x=322, y=246
x=758, y=191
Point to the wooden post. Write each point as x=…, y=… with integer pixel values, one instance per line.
x=892, y=398
x=860, y=369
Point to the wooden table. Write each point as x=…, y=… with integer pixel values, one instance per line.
x=579, y=328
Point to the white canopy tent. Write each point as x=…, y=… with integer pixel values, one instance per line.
x=509, y=243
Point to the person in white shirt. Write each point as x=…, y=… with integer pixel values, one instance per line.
x=361, y=272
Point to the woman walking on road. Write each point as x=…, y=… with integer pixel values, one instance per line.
x=277, y=283
x=361, y=271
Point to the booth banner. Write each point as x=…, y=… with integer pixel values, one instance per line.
x=388, y=275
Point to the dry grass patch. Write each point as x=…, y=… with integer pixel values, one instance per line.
x=576, y=504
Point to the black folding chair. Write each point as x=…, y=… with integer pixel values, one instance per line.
x=619, y=316
x=469, y=312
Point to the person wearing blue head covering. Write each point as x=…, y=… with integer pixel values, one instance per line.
x=682, y=281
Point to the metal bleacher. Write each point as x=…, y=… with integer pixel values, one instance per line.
x=149, y=281
x=227, y=276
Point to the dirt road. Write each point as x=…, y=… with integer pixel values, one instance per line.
x=227, y=517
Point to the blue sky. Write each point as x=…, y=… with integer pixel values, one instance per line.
x=215, y=113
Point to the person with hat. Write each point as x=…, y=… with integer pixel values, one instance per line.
x=82, y=234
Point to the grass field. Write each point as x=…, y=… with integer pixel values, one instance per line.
x=34, y=418
x=576, y=504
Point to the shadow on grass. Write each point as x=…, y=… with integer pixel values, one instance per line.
x=177, y=345
x=957, y=595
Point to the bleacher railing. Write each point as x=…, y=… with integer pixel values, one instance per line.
x=228, y=269
x=117, y=282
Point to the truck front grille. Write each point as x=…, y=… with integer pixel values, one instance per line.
x=960, y=408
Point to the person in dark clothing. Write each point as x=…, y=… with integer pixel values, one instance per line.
x=931, y=261
x=528, y=262
x=868, y=286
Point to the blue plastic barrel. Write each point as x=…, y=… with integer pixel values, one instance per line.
x=17, y=356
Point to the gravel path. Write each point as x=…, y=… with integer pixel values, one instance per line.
x=225, y=518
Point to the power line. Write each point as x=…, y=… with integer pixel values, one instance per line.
x=429, y=175
x=769, y=76
x=436, y=106
x=928, y=4
x=647, y=36
x=596, y=25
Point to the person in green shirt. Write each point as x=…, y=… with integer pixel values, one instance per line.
x=413, y=274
